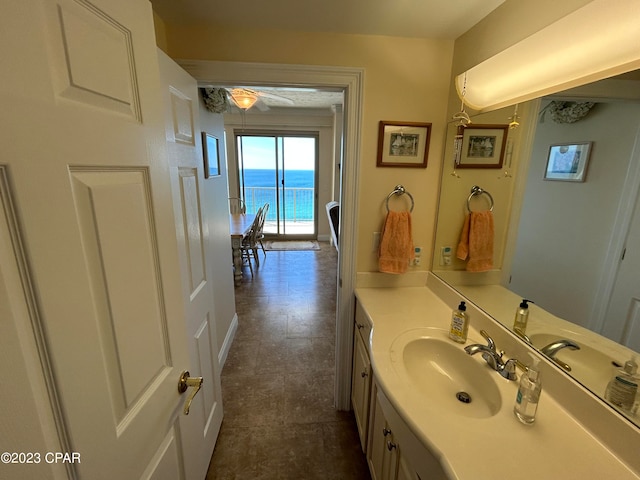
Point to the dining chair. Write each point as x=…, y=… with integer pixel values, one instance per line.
x=249, y=246
x=260, y=233
x=237, y=205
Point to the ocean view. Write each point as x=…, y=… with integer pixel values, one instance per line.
x=298, y=197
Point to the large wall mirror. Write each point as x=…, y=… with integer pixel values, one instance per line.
x=566, y=237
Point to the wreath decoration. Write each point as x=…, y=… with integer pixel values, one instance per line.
x=566, y=112
x=215, y=99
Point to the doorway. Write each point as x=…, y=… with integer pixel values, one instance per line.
x=280, y=168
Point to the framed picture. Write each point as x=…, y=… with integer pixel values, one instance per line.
x=483, y=146
x=567, y=162
x=403, y=144
x=211, y=157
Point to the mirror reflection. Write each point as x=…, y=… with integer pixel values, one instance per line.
x=566, y=221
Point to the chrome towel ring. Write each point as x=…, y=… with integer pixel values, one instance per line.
x=400, y=190
x=476, y=190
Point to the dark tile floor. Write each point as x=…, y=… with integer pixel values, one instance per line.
x=278, y=380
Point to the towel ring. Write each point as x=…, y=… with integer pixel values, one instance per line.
x=400, y=190
x=476, y=190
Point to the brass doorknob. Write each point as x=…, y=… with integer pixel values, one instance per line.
x=184, y=383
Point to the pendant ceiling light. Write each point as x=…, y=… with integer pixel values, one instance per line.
x=243, y=98
x=594, y=42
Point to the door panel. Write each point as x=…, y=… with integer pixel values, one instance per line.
x=200, y=429
x=114, y=222
x=82, y=132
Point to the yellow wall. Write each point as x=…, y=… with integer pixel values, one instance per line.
x=405, y=80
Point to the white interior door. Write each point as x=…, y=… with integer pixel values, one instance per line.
x=200, y=428
x=622, y=322
x=82, y=129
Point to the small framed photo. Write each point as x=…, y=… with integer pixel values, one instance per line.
x=567, y=162
x=211, y=156
x=483, y=146
x=403, y=144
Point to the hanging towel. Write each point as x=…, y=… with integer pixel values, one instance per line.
x=396, y=244
x=476, y=241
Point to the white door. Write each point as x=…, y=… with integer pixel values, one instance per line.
x=200, y=428
x=82, y=135
x=622, y=322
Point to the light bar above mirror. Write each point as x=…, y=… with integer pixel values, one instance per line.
x=594, y=42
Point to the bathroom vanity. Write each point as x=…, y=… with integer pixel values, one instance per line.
x=407, y=372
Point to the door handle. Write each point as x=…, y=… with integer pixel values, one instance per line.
x=184, y=383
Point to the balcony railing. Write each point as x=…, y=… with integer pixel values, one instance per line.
x=298, y=202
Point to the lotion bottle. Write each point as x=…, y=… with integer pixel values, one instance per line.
x=623, y=387
x=528, y=395
x=522, y=317
x=459, y=324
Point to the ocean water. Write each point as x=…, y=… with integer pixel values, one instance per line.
x=297, y=199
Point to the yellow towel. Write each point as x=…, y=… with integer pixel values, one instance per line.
x=476, y=241
x=396, y=244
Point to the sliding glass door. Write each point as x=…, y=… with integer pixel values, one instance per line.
x=280, y=168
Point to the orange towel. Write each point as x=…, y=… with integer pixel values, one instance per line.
x=476, y=241
x=396, y=244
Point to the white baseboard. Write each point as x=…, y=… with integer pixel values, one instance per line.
x=324, y=238
x=228, y=341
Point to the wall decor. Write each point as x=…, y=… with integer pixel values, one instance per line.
x=211, y=156
x=403, y=144
x=567, y=162
x=483, y=146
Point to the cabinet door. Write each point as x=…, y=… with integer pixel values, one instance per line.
x=382, y=452
x=360, y=387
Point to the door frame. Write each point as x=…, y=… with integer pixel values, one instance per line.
x=351, y=80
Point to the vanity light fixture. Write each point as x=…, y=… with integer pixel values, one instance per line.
x=594, y=42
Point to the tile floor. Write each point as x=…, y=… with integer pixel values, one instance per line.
x=278, y=380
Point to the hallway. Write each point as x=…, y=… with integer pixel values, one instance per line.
x=278, y=380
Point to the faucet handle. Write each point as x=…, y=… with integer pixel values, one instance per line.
x=509, y=369
x=490, y=343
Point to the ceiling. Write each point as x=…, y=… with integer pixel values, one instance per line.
x=442, y=19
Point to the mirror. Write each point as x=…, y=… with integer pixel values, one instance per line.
x=558, y=241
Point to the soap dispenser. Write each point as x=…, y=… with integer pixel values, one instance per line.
x=522, y=317
x=459, y=324
x=529, y=391
x=623, y=387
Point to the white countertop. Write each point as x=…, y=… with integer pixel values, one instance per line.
x=498, y=447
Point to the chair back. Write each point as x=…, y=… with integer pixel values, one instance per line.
x=265, y=210
x=237, y=205
x=251, y=237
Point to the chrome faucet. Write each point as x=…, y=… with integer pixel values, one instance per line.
x=493, y=358
x=554, y=347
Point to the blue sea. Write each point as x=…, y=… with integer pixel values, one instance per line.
x=298, y=199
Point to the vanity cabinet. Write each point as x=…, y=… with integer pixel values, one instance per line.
x=384, y=456
x=361, y=374
x=376, y=437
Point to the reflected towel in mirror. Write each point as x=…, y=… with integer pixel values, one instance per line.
x=396, y=243
x=476, y=241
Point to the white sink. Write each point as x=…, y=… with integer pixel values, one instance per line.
x=440, y=370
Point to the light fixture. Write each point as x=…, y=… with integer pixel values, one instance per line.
x=243, y=98
x=594, y=42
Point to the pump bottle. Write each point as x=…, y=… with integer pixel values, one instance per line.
x=459, y=324
x=623, y=387
x=528, y=395
x=522, y=317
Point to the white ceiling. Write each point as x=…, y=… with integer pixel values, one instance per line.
x=446, y=19
x=443, y=19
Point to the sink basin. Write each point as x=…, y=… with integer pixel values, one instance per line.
x=590, y=366
x=440, y=370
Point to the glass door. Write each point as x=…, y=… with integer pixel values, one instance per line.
x=280, y=169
